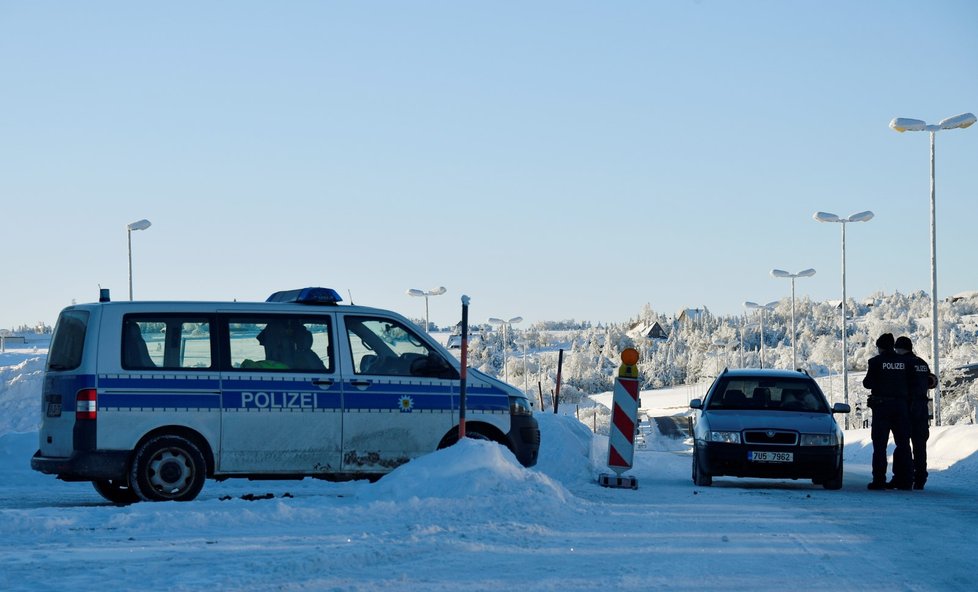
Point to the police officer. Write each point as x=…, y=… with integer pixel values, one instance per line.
x=919, y=413
x=889, y=378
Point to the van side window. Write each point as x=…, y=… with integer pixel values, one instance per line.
x=285, y=343
x=166, y=342
x=385, y=347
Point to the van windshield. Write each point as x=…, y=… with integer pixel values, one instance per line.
x=68, y=341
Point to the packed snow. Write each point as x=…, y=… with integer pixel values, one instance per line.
x=472, y=517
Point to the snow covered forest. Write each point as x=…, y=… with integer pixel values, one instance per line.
x=697, y=345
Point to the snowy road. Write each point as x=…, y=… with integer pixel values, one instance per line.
x=471, y=517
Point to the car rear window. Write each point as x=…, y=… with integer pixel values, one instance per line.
x=68, y=342
x=768, y=394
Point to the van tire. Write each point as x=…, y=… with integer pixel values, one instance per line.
x=168, y=468
x=116, y=492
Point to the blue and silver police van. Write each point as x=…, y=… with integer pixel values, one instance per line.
x=149, y=399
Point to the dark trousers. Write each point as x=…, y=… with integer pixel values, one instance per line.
x=919, y=433
x=892, y=415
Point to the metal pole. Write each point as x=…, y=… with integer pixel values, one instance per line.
x=427, y=322
x=525, y=387
x=464, y=364
x=762, y=337
x=505, y=368
x=845, y=351
x=794, y=364
x=560, y=367
x=743, y=328
x=129, y=236
x=933, y=285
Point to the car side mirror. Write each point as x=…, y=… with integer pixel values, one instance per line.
x=841, y=408
x=696, y=404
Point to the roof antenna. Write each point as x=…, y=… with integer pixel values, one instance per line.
x=350, y=294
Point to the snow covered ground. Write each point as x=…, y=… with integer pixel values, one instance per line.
x=471, y=517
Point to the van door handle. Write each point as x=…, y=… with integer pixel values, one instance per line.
x=324, y=382
x=360, y=382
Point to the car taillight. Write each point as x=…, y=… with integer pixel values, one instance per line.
x=86, y=406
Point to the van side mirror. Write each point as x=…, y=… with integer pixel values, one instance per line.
x=696, y=404
x=841, y=408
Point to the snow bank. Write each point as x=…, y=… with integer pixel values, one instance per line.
x=471, y=468
x=20, y=391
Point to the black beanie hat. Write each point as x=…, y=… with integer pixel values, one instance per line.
x=903, y=342
x=885, y=341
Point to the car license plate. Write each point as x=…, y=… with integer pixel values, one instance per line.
x=772, y=457
x=54, y=409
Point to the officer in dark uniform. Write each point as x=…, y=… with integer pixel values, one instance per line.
x=889, y=377
x=919, y=413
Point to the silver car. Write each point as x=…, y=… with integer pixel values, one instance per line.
x=772, y=424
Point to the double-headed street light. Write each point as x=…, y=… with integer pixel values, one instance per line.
x=505, y=325
x=860, y=217
x=784, y=274
x=761, y=308
x=137, y=225
x=903, y=124
x=422, y=294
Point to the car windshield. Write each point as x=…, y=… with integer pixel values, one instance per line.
x=768, y=394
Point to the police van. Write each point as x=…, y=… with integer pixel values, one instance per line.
x=148, y=399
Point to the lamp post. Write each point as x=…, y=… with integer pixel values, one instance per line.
x=724, y=346
x=744, y=326
x=860, y=217
x=902, y=124
x=784, y=274
x=421, y=293
x=526, y=386
x=505, y=325
x=137, y=225
x=761, y=308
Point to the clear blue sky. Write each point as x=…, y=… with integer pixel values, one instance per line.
x=552, y=160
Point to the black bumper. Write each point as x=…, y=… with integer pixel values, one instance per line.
x=84, y=466
x=524, y=439
x=809, y=462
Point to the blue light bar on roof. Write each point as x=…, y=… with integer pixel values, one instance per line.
x=322, y=296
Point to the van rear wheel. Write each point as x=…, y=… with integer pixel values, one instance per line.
x=168, y=468
x=117, y=492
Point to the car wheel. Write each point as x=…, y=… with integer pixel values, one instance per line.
x=117, y=492
x=168, y=468
x=699, y=477
x=835, y=482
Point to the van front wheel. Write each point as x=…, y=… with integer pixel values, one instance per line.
x=116, y=492
x=168, y=468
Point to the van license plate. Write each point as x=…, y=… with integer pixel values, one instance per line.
x=772, y=457
x=54, y=410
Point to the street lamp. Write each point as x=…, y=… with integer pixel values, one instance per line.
x=860, y=217
x=505, y=325
x=744, y=325
x=723, y=345
x=761, y=308
x=137, y=225
x=526, y=386
x=422, y=293
x=784, y=274
x=902, y=124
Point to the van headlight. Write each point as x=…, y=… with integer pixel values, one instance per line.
x=818, y=440
x=520, y=406
x=725, y=437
